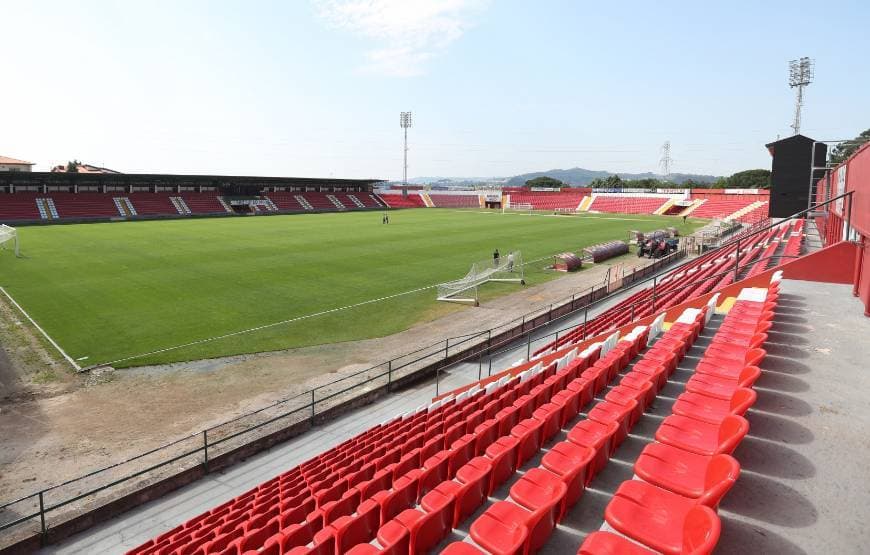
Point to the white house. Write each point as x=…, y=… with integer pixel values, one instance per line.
x=12, y=165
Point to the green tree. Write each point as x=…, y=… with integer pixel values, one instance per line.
x=545, y=181
x=73, y=166
x=844, y=150
x=750, y=179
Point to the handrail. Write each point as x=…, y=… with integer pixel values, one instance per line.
x=439, y=347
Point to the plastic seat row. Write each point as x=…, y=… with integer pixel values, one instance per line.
x=707, y=273
x=413, y=452
x=682, y=476
x=541, y=498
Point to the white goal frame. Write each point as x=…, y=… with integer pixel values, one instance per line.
x=506, y=269
x=9, y=235
x=526, y=207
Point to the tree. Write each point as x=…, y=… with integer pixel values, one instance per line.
x=73, y=166
x=546, y=182
x=843, y=150
x=750, y=179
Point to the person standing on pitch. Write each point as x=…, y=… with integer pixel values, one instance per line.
x=495, y=256
x=510, y=264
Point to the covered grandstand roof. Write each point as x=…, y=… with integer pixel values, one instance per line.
x=82, y=179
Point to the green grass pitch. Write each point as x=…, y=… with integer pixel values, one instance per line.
x=114, y=290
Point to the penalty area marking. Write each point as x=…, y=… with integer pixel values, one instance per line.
x=42, y=331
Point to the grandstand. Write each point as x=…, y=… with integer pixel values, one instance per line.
x=452, y=200
x=547, y=200
x=48, y=196
x=718, y=405
x=640, y=432
x=398, y=200
x=627, y=204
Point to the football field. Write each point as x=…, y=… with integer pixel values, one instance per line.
x=109, y=291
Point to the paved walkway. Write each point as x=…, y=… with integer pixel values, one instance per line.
x=804, y=484
x=143, y=523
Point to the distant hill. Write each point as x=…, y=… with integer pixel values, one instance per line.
x=579, y=177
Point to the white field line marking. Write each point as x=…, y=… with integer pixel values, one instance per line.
x=42, y=331
x=288, y=321
x=585, y=217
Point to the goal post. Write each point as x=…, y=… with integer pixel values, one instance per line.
x=9, y=235
x=525, y=207
x=506, y=269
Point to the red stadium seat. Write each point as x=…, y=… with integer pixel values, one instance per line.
x=722, y=388
x=461, y=548
x=607, y=543
x=570, y=462
x=608, y=411
x=500, y=531
x=541, y=489
x=528, y=433
x=504, y=453
x=700, y=437
x=701, y=477
x=550, y=416
x=666, y=522
x=470, y=490
x=711, y=409
x=429, y=527
x=595, y=436
x=394, y=538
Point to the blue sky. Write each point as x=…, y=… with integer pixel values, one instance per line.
x=496, y=88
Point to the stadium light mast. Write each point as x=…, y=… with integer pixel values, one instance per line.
x=666, y=160
x=800, y=74
x=405, y=123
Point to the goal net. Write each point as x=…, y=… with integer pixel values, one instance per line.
x=505, y=269
x=9, y=238
x=525, y=207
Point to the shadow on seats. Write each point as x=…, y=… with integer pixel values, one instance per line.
x=740, y=538
x=786, y=327
x=784, y=350
x=767, y=500
x=781, y=382
x=785, y=338
x=780, y=403
x=773, y=459
x=765, y=425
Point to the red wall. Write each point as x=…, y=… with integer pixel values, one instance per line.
x=857, y=181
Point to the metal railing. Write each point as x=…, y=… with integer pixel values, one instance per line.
x=200, y=449
x=196, y=451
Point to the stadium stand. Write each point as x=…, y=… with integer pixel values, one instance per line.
x=397, y=200
x=156, y=204
x=203, y=203
x=84, y=205
x=403, y=486
x=285, y=201
x=719, y=208
x=626, y=204
x=705, y=274
x=542, y=200
x=19, y=206
x=321, y=201
x=455, y=201
x=755, y=215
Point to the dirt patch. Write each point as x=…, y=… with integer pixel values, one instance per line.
x=79, y=423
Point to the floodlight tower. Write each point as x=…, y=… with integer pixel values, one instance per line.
x=665, y=162
x=800, y=74
x=405, y=123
